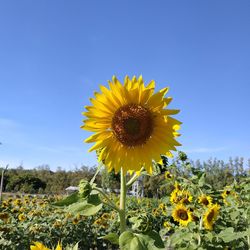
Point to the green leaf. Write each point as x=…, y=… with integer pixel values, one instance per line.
x=234, y=214
x=131, y=241
x=202, y=180
x=84, y=208
x=180, y=237
x=73, y=198
x=75, y=247
x=94, y=199
x=157, y=239
x=112, y=237
x=229, y=235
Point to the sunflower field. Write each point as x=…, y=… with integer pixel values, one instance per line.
x=192, y=215
x=133, y=135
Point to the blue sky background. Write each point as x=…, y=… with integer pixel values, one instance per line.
x=54, y=54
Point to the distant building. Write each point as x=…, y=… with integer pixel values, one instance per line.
x=71, y=189
x=137, y=188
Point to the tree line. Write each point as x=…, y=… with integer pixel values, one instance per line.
x=45, y=181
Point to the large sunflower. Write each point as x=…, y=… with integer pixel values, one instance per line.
x=182, y=215
x=210, y=216
x=131, y=127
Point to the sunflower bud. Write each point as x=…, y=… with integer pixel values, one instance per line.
x=182, y=156
x=84, y=188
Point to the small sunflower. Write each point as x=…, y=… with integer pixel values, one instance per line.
x=5, y=204
x=228, y=194
x=156, y=212
x=17, y=202
x=182, y=215
x=98, y=222
x=173, y=196
x=168, y=175
x=21, y=217
x=57, y=223
x=131, y=126
x=75, y=221
x=105, y=216
x=163, y=208
x=205, y=200
x=4, y=216
x=210, y=216
x=180, y=196
x=167, y=225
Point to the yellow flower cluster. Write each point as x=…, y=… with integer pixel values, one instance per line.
x=179, y=195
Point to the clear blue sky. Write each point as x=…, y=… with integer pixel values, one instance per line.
x=54, y=54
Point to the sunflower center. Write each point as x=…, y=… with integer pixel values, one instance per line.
x=210, y=216
x=183, y=215
x=132, y=124
x=205, y=201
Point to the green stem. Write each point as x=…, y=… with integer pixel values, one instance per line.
x=122, y=211
x=132, y=180
x=109, y=201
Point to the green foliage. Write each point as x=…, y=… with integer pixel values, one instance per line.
x=25, y=183
x=133, y=241
x=43, y=180
x=85, y=202
x=86, y=216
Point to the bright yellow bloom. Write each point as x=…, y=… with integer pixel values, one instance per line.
x=210, y=216
x=205, y=200
x=38, y=246
x=131, y=126
x=182, y=215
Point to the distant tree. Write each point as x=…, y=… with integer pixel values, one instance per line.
x=25, y=183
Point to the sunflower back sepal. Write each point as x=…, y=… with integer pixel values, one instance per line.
x=85, y=188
